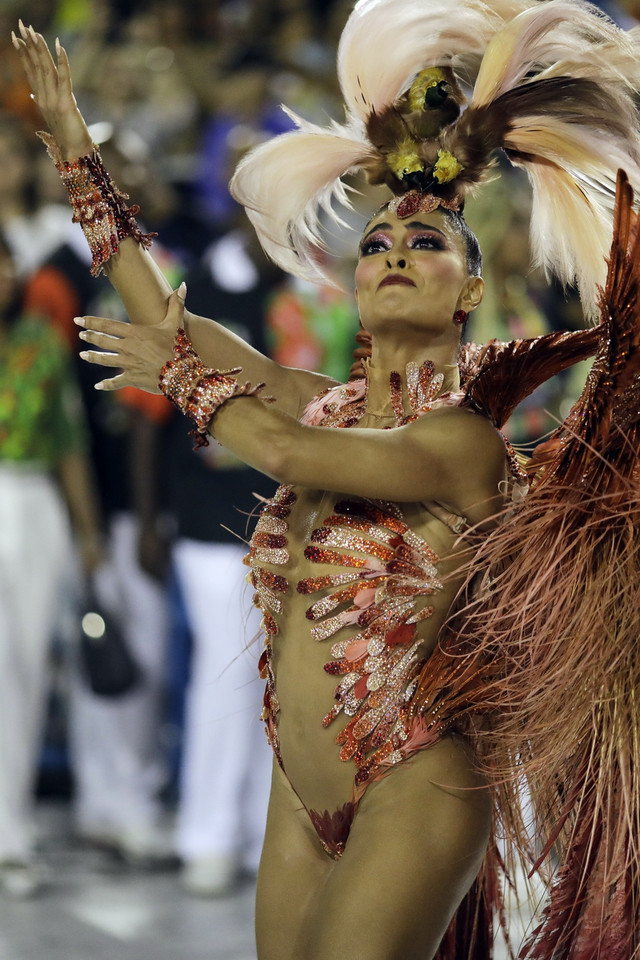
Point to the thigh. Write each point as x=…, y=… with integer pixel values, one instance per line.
x=293, y=871
x=415, y=847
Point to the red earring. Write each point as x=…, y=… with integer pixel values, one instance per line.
x=460, y=316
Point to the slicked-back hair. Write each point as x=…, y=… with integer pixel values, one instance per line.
x=473, y=253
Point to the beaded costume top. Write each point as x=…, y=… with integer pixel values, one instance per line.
x=387, y=575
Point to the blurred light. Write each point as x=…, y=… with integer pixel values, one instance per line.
x=101, y=132
x=132, y=145
x=93, y=625
x=285, y=86
x=159, y=59
x=242, y=137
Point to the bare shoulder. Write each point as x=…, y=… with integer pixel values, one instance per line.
x=468, y=454
x=460, y=427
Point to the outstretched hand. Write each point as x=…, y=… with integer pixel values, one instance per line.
x=139, y=351
x=50, y=83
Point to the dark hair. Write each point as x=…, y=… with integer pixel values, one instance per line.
x=473, y=254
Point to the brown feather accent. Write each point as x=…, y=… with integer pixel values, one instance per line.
x=386, y=129
x=498, y=376
x=607, y=401
x=551, y=620
x=473, y=139
x=571, y=99
x=333, y=828
x=388, y=133
x=483, y=129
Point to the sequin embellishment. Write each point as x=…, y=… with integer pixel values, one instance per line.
x=269, y=545
x=378, y=666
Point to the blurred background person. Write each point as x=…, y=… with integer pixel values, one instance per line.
x=32, y=228
x=117, y=745
x=226, y=768
x=42, y=463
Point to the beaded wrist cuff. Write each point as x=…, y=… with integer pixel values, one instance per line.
x=98, y=206
x=199, y=391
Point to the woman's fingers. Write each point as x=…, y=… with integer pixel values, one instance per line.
x=101, y=358
x=47, y=74
x=37, y=62
x=64, y=70
x=102, y=340
x=115, y=328
x=115, y=383
x=139, y=352
x=45, y=59
x=27, y=66
x=174, y=316
x=25, y=49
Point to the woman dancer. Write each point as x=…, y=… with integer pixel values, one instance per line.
x=361, y=542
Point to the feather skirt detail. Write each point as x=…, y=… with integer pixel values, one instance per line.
x=552, y=621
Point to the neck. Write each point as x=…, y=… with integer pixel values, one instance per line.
x=384, y=361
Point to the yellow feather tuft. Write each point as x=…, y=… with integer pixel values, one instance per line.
x=447, y=167
x=405, y=159
x=425, y=79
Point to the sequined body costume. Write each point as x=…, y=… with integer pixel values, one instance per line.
x=374, y=581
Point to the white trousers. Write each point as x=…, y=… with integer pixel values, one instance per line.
x=35, y=557
x=226, y=762
x=116, y=742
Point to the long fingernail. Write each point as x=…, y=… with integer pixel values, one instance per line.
x=15, y=40
x=79, y=321
x=84, y=354
x=34, y=35
x=23, y=30
x=182, y=291
x=83, y=334
x=58, y=45
x=99, y=386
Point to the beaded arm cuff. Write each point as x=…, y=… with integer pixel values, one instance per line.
x=98, y=206
x=199, y=391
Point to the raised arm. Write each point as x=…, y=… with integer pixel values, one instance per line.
x=131, y=269
x=450, y=455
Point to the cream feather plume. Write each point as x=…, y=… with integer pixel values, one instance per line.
x=572, y=154
x=554, y=89
x=541, y=36
x=573, y=194
x=385, y=43
x=284, y=185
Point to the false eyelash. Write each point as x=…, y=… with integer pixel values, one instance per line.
x=375, y=240
x=435, y=242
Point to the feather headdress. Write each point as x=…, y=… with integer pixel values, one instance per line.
x=552, y=86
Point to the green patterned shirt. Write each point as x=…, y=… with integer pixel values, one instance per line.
x=41, y=413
